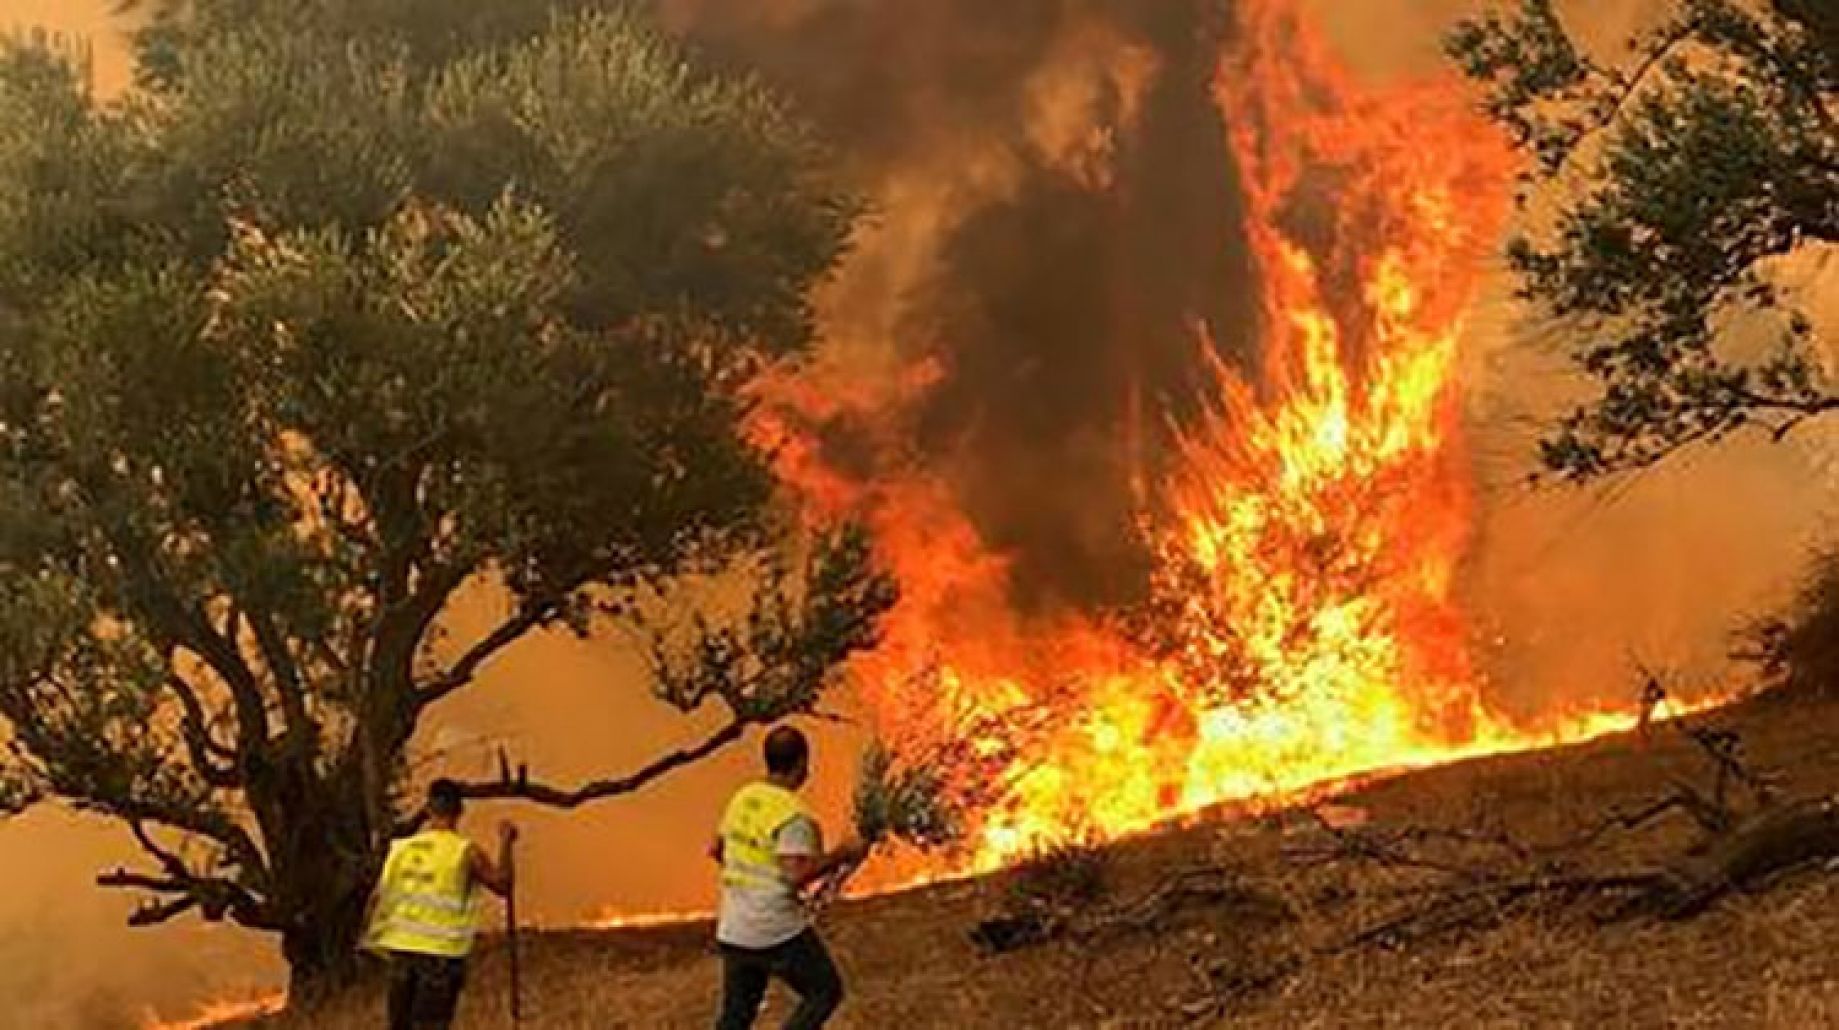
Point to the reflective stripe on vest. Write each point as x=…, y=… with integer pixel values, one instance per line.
x=749, y=832
x=426, y=902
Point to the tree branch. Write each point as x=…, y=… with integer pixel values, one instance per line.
x=152, y=912
x=1614, y=89
x=401, y=629
x=289, y=687
x=174, y=866
x=529, y=617
x=1626, y=85
x=191, y=629
x=532, y=614
x=1800, y=409
x=520, y=788
x=205, y=752
x=210, y=825
x=127, y=880
x=215, y=895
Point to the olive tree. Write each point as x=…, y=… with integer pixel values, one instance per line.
x=334, y=319
x=1671, y=186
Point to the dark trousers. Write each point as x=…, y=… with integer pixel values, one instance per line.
x=424, y=991
x=802, y=963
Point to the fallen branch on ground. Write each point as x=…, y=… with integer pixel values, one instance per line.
x=1748, y=837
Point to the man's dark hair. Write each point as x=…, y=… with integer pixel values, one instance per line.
x=444, y=799
x=786, y=751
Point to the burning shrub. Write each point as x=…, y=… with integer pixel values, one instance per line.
x=910, y=801
x=918, y=796
x=933, y=791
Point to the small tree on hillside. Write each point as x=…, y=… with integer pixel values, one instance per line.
x=1677, y=178
x=326, y=327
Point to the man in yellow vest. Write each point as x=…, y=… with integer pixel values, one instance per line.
x=771, y=850
x=426, y=910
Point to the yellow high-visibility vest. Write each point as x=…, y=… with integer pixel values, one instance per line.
x=427, y=903
x=752, y=820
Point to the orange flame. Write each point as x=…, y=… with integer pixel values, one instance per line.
x=619, y=919
x=1304, y=628
x=219, y=1013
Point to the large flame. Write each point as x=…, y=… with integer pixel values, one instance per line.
x=1304, y=627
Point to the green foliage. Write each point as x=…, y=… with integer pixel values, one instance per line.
x=929, y=787
x=906, y=801
x=584, y=120
x=799, y=627
x=1677, y=177
x=348, y=310
x=924, y=797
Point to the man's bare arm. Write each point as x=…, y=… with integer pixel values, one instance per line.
x=804, y=870
x=500, y=876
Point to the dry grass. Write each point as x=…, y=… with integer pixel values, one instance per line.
x=1069, y=873
x=1759, y=961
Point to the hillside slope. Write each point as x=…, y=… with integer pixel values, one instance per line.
x=1763, y=959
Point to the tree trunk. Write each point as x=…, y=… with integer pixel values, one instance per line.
x=1778, y=838
x=327, y=837
x=325, y=881
x=321, y=949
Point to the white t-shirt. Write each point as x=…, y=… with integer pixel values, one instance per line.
x=761, y=917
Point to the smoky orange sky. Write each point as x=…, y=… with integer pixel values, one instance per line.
x=1575, y=583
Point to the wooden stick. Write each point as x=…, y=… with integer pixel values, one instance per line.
x=832, y=888
x=510, y=919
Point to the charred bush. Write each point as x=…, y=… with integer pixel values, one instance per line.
x=1069, y=875
x=1797, y=652
x=1047, y=895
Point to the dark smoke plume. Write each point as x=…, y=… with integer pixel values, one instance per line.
x=1063, y=306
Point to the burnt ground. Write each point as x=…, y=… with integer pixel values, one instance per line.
x=1272, y=949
